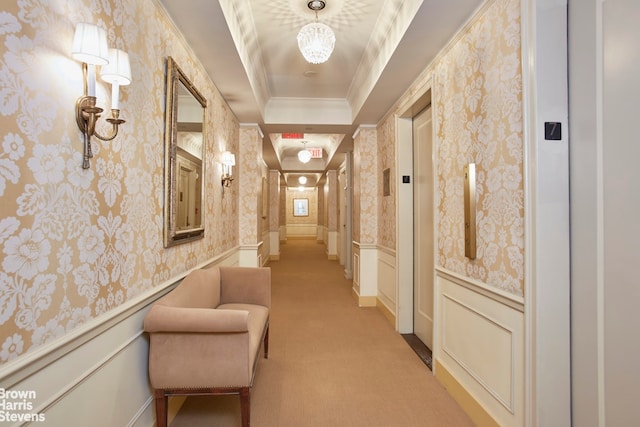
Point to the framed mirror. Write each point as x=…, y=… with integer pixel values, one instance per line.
x=184, y=159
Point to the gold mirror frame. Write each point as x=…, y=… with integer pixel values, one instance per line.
x=183, y=165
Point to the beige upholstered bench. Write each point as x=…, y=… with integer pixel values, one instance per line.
x=206, y=334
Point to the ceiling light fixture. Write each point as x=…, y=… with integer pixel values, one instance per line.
x=316, y=40
x=302, y=180
x=304, y=155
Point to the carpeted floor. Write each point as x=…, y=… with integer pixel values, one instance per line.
x=330, y=362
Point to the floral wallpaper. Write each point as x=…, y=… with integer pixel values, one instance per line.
x=251, y=170
x=274, y=200
x=387, y=204
x=322, y=205
x=332, y=200
x=365, y=193
x=478, y=107
x=74, y=243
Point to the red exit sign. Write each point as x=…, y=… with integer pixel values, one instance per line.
x=292, y=135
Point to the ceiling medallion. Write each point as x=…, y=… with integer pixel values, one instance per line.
x=316, y=41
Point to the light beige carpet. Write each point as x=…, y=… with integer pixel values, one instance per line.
x=330, y=362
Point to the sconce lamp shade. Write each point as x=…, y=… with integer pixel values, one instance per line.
x=228, y=159
x=118, y=70
x=90, y=44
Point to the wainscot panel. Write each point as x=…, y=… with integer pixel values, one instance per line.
x=96, y=376
x=356, y=270
x=302, y=230
x=480, y=344
x=387, y=288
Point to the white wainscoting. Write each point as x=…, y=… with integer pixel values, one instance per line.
x=480, y=342
x=356, y=269
x=96, y=375
x=274, y=245
x=302, y=230
x=387, y=289
x=366, y=271
x=332, y=245
x=322, y=234
x=265, y=249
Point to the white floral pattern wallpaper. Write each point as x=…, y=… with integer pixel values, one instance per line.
x=74, y=243
x=478, y=107
x=332, y=200
x=251, y=170
x=365, y=189
x=273, y=185
x=387, y=204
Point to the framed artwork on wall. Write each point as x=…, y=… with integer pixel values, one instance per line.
x=300, y=207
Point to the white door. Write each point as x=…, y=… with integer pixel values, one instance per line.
x=423, y=253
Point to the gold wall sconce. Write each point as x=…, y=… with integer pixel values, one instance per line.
x=90, y=47
x=228, y=162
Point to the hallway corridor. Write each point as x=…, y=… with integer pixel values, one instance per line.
x=330, y=362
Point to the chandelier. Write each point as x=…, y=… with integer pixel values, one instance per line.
x=316, y=40
x=304, y=155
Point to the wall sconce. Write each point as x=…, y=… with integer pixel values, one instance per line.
x=90, y=47
x=228, y=162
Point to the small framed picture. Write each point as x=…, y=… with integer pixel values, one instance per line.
x=300, y=207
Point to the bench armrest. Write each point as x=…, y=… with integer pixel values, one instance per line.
x=162, y=318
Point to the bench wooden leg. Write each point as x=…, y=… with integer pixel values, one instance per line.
x=161, y=408
x=245, y=405
x=266, y=343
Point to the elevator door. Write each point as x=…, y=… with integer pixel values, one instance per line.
x=423, y=252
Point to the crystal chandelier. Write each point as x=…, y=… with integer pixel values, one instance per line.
x=304, y=155
x=316, y=40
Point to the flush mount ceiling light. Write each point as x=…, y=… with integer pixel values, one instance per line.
x=304, y=155
x=302, y=180
x=316, y=40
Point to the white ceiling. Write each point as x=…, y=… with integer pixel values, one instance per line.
x=250, y=51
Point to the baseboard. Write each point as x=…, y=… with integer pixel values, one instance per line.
x=469, y=404
x=364, y=301
x=386, y=312
x=332, y=257
x=274, y=257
